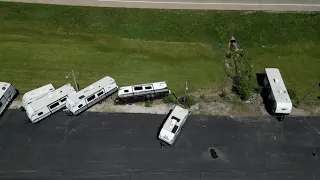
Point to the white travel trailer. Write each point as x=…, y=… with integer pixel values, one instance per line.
x=7, y=94
x=30, y=96
x=277, y=93
x=142, y=92
x=78, y=102
x=173, y=124
x=52, y=102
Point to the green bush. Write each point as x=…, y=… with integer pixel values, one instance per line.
x=243, y=86
x=148, y=103
x=223, y=94
x=243, y=79
x=228, y=54
x=190, y=101
x=170, y=99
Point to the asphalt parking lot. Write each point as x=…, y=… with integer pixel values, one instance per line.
x=125, y=146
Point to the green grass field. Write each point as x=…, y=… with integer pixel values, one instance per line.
x=40, y=44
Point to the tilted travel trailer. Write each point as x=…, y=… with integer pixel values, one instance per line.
x=50, y=103
x=7, y=94
x=32, y=95
x=173, y=124
x=277, y=93
x=142, y=92
x=78, y=102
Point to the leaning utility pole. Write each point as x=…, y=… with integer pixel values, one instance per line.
x=185, y=92
x=74, y=79
x=317, y=84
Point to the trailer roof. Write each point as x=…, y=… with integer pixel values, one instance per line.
x=36, y=93
x=277, y=85
x=93, y=88
x=3, y=88
x=175, y=119
x=52, y=96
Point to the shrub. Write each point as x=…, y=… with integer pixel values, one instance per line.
x=243, y=87
x=170, y=99
x=190, y=101
x=223, y=94
x=228, y=54
x=148, y=104
x=243, y=79
x=203, y=96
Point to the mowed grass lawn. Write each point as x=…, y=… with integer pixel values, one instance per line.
x=41, y=44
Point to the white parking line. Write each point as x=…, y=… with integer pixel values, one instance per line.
x=212, y=3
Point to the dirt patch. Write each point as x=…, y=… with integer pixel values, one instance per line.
x=208, y=103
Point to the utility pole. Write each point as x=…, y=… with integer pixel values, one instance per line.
x=74, y=79
x=317, y=84
x=185, y=92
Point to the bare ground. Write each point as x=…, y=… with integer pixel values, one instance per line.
x=208, y=103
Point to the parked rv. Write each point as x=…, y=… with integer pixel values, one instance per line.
x=30, y=96
x=173, y=124
x=78, y=102
x=142, y=92
x=7, y=94
x=276, y=93
x=52, y=102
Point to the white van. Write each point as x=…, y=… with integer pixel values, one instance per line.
x=173, y=124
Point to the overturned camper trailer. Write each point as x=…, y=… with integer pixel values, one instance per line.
x=52, y=102
x=7, y=94
x=78, y=102
x=276, y=92
x=32, y=95
x=173, y=124
x=142, y=92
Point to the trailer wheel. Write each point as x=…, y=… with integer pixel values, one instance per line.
x=22, y=109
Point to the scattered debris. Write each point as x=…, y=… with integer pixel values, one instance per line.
x=234, y=45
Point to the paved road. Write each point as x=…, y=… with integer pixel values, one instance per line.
x=124, y=146
x=266, y=5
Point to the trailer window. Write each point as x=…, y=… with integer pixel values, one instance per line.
x=81, y=97
x=63, y=99
x=148, y=87
x=174, y=130
x=80, y=106
x=138, y=88
x=91, y=98
x=126, y=91
x=3, y=88
x=0, y=104
x=100, y=93
x=39, y=114
x=54, y=105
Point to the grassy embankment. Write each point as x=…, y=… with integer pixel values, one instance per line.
x=40, y=44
